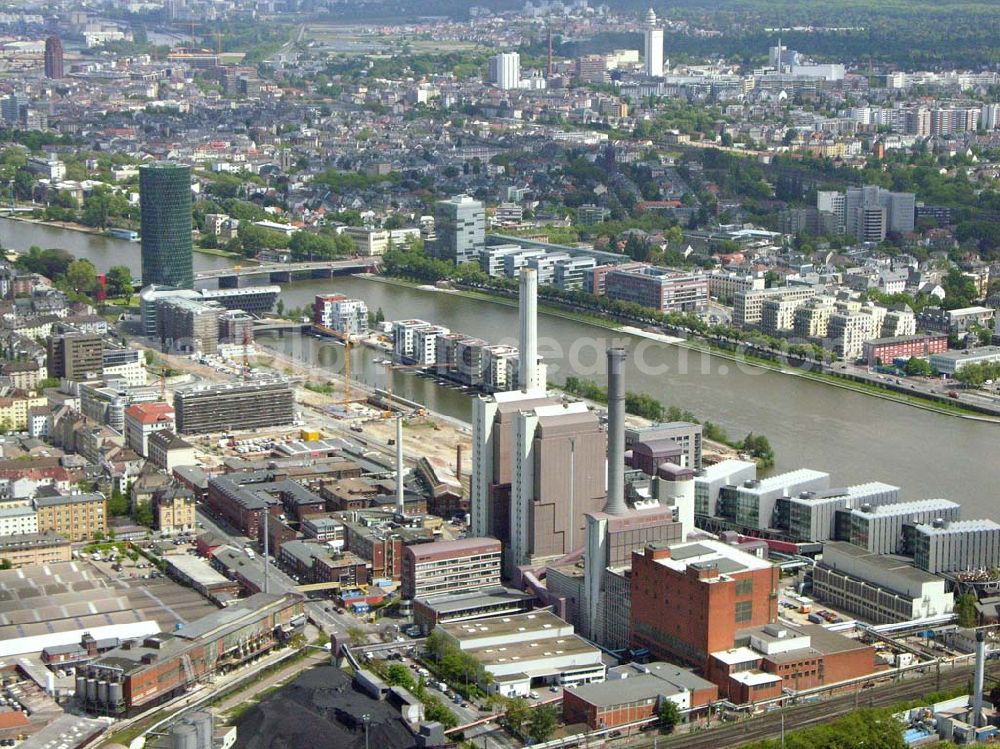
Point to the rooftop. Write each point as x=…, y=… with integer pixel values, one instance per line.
x=150, y=413
x=906, y=508
x=526, y=624
x=728, y=559
x=957, y=526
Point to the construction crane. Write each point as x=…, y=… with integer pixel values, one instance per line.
x=346, y=340
x=246, y=353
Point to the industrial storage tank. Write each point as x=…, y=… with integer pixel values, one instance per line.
x=202, y=722
x=184, y=736
x=102, y=692
x=81, y=687
x=115, y=693
x=91, y=690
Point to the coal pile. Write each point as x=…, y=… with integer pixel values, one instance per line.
x=321, y=709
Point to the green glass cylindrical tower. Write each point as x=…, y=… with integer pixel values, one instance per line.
x=165, y=203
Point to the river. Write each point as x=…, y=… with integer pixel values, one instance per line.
x=854, y=437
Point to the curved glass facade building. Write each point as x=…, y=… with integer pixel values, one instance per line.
x=165, y=202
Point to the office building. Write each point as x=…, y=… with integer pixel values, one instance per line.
x=683, y=436
x=143, y=673
x=653, y=47
x=658, y=288
x=887, y=350
x=689, y=599
x=956, y=545
x=952, y=362
x=189, y=326
x=754, y=503
x=880, y=529
x=505, y=70
x=254, y=300
x=812, y=515
x=168, y=451
x=710, y=480
x=450, y=567
x=125, y=364
x=54, y=65
x=879, y=589
x=346, y=316
x=367, y=241
x=75, y=355
x=569, y=274
x=592, y=69
x=144, y=419
x=460, y=226
x=221, y=408
x=529, y=650
x=165, y=212
x=77, y=517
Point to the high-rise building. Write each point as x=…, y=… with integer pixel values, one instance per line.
x=220, y=408
x=54, y=58
x=165, y=203
x=460, y=225
x=75, y=355
x=505, y=70
x=654, y=46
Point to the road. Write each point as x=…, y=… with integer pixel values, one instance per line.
x=329, y=621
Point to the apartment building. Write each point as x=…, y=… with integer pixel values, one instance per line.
x=77, y=517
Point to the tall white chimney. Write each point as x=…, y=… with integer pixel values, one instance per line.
x=977, y=699
x=400, y=468
x=528, y=378
x=615, y=504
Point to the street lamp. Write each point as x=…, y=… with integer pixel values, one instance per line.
x=365, y=719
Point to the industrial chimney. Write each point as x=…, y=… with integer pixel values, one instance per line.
x=528, y=342
x=616, y=433
x=400, y=503
x=977, y=700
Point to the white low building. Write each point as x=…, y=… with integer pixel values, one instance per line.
x=523, y=651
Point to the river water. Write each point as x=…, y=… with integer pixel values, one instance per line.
x=854, y=437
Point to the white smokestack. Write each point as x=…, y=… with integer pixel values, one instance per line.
x=528, y=378
x=977, y=700
x=400, y=503
x=615, y=504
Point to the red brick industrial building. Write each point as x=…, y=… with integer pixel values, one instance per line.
x=689, y=600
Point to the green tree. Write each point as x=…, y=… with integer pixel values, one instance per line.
x=917, y=367
x=119, y=281
x=542, y=723
x=517, y=713
x=965, y=609
x=49, y=263
x=399, y=675
x=144, y=514
x=81, y=277
x=670, y=715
